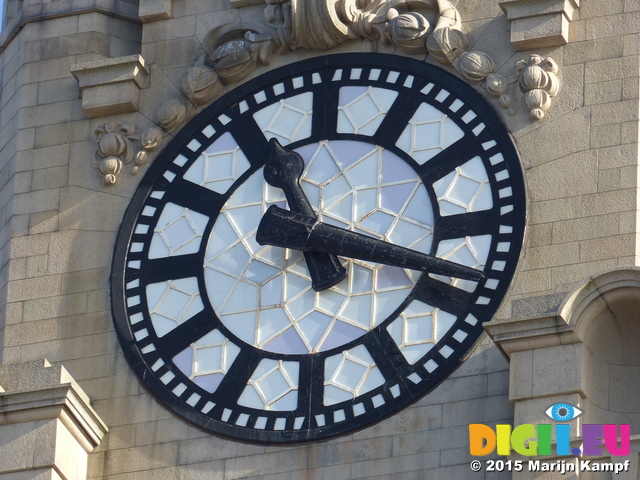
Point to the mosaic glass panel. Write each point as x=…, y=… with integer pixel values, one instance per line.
x=362, y=109
x=418, y=328
x=219, y=166
x=207, y=360
x=273, y=386
x=263, y=294
x=288, y=120
x=466, y=189
x=178, y=232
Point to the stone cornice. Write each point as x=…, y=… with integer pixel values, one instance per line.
x=528, y=334
x=38, y=11
x=37, y=391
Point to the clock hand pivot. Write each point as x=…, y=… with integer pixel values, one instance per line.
x=283, y=170
x=287, y=229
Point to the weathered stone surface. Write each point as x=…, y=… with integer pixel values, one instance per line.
x=59, y=226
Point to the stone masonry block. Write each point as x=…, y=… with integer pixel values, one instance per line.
x=521, y=375
x=482, y=410
x=392, y=466
x=557, y=370
x=36, y=474
x=151, y=457
x=585, y=228
x=603, y=92
x=594, y=50
x=604, y=248
x=345, y=452
x=153, y=10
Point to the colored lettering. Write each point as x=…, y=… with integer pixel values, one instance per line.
x=504, y=439
x=544, y=439
x=522, y=440
x=532, y=440
x=482, y=440
x=611, y=440
x=592, y=439
x=563, y=439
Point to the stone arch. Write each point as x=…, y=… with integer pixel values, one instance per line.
x=605, y=316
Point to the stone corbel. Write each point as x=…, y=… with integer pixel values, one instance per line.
x=154, y=10
x=111, y=86
x=539, y=23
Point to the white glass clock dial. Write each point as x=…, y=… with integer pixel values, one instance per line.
x=235, y=336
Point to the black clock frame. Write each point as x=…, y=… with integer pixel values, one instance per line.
x=409, y=382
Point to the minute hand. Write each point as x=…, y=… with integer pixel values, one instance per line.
x=287, y=229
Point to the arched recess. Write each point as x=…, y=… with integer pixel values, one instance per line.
x=604, y=314
x=587, y=353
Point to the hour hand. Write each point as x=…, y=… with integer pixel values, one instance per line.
x=300, y=232
x=283, y=170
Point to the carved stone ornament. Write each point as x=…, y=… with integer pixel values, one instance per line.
x=118, y=145
x=233, y=51
x=536, y=84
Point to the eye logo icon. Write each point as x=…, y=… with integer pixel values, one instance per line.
x=563, y=412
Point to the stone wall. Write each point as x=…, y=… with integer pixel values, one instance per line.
x=59, y=223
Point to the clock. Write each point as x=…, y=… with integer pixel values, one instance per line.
x=319, y=248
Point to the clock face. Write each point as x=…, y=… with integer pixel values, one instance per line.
x=236, y=336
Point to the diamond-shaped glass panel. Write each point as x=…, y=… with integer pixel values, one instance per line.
x=219, y=166
x=429, y=132
x=273, y=386
x=466, y=189
x=172, y=303
x=350, y=374
x=469, y=251
x=178, y=232
x=288, y=120
x=362, y=109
